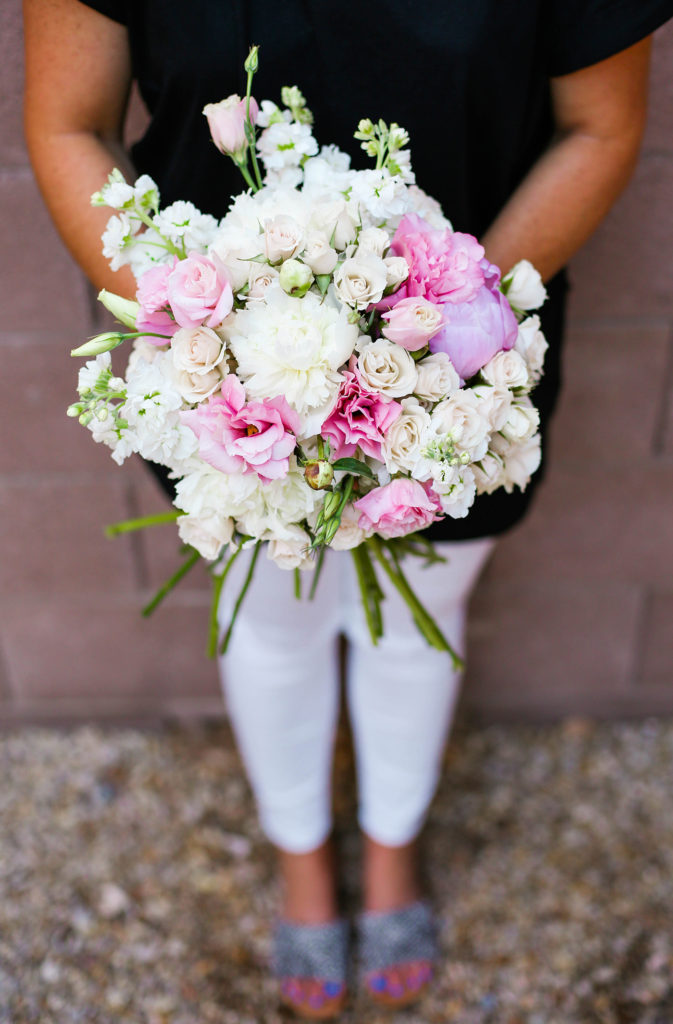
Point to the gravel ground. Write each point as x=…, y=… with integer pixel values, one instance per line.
x=135, y=887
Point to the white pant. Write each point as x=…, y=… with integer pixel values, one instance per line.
x=280, y=680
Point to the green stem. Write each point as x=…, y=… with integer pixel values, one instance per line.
x=422, y=618
x=128, y=525
x=246, y=174
x=316, y=573
x=297, y=584
x=369, y=601
x=218, y=583
x=239, y=599
x=188, y=564
x=170, y=246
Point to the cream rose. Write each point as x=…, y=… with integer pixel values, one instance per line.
x=260, y=276
x=520, y=461
x=522, y=421
x=361, y=280
x=195, y=387
x=387, y=368
x=374, y=240
x=349, y=535
x=523, y=286
x=283, y=238
x=319, y=254
x=496, y=402
x=207, y=533
x=462, y=419
x=196, y=350
x=397, y=271
x=488, y=473
x=402, y=444
x=334, y=220
x=291, y=551
x=532, y=345
x=437, y=378
x=506, y=369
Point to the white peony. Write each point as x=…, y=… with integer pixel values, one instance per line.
x=294, y=347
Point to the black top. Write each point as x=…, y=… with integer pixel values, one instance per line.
x=469, y=81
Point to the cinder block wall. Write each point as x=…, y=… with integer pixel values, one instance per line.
x=573, y=614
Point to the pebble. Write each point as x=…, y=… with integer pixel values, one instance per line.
x=136, y=888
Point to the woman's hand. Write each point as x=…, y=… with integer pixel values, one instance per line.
x=78, y=78
x=600, y=115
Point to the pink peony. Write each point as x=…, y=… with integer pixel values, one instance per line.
x=226, y=121
x=199, y=291
x=398, y=508
x=412, y=322
x=237, y=438
x=475, y=331
x=444, y=265
x=360, y=417
x=152, y=295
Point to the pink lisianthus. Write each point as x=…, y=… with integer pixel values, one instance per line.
x=396, y=509
x=444, y=265
x=226, y=121
x=237, y=438
x=152, y=295
x=199, y=291
x=360, y=417
x=412, y=322
x=475, y=331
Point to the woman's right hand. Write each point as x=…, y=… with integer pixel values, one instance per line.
x=78, y=79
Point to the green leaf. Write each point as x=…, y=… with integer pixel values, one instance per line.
x=354, y=466
x=323, y=281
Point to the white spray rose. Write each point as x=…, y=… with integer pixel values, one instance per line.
x=495, y=401
x=524, y=287
x=260, y=276
x=283, y=238
x=349, y=535
x=461, y=418
x=522, y=421
x=208, y=533
x=402, y=444
x=532, y=345
x=196, y=350
x=374, y=240
x=319, y=254
x=361, y=280
x=506, y=369
x=334, y=220
x=520, y=460
x=291, y=551
x=488, y=473
x=437, y=377
x=388, y=368
x=397, y=271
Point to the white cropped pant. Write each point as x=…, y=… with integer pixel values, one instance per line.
x=280, y=681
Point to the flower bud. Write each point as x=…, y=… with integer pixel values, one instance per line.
x=332, y=501
x=101, y=343
x=75, y=410
x=295, y=278
x=85, y=418
x=252, y=60
x=331, y=530
x=123, y=309
x=318, y=474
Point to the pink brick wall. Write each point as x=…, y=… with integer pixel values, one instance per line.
x=573, y=614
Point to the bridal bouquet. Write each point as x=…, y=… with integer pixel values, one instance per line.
x=330, y=365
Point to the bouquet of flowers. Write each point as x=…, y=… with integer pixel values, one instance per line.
x=330, y=365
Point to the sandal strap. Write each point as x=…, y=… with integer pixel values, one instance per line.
x=311, y=950
x=390, y=938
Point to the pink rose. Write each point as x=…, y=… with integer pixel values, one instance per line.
x=475, y=331
x=226, y=121
x=444, y=265
x=199, y=291
x=398, y=508
x=360, y=417
x=237, y=438
x=152, y=294
x=412, y=322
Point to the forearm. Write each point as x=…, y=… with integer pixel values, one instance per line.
x=69, y=167
x=561, y=202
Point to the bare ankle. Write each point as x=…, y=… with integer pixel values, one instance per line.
x=309, y=885
x=390, y=875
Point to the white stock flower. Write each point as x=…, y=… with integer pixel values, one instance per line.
x=427, y=208
x=403, y=442
x=91, y=371
x=378, y=195
x=456, y=489
x=185, y=225
x=437, y=377
x=506, y=369
x=360, y=280
x=117, y=237
x=207, y=533
x=285, y=144
x=388, y=368
x=293, y=347
x=152, y=407
x=524, y=287
x=532, y=345
x=270, y=112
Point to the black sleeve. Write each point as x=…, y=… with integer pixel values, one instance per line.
x=115, y=9
x=583, y=32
